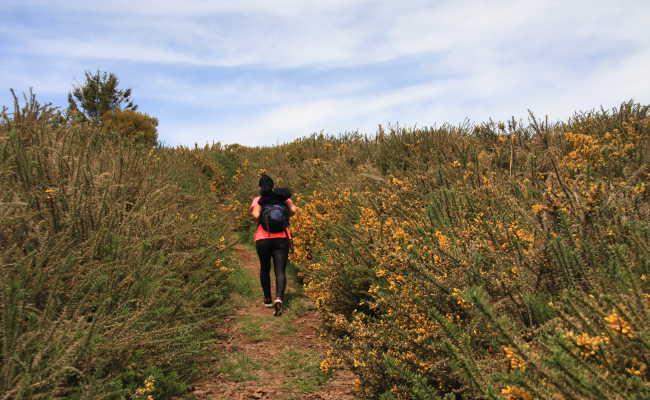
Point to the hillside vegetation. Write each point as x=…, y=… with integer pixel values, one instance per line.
x=112, y=261
x=498, y=261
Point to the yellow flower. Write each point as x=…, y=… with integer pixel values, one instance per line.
x=515, y=361
x=538, y=208
x=638, y=369
x=618, y=324
x=640, y=188
x=442, y=240
x=325, y=366
x=358, y=363
x=149, y=387
x=516, y=393
x=588, y=345
x=456, y=292
x=524, y=235
x=427, y=366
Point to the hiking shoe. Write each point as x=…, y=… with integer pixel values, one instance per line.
x=268, y=303
x=277, y=305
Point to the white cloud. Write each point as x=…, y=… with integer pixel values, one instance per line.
x=354, y=112
x=334, y=33
x=198, y=8
x=459, y=59
x=240, y=92
x=110, y=50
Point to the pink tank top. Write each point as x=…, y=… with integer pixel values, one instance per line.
x=260, y=233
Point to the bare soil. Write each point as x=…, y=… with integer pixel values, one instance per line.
x=265, y=357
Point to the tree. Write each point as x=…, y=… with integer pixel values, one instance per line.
x=97, y=95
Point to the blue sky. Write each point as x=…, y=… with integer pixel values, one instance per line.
x=266, y=72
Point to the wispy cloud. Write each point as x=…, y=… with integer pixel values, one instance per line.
x=260, y=72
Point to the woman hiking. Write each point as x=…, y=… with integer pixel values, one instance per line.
x=272, y=209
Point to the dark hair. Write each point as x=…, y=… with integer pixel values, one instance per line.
x=266, y=184
x=282, y=193
x=275, y=196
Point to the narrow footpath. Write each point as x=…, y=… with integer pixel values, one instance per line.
x=260, y=356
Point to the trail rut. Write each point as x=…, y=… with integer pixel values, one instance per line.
x=264, y=357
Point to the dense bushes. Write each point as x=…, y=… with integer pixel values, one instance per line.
x=132, y=125
x=498, y=261
x=111, y=262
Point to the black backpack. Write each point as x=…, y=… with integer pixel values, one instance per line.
x=274, y=217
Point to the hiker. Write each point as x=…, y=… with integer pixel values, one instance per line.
x=272, y=209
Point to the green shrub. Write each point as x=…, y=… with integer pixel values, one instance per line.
x=501, y=261
x=110, y=272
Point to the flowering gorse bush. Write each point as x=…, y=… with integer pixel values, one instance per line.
x=498, y=261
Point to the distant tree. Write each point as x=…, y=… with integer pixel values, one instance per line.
x=133, y=125
x=99, y=94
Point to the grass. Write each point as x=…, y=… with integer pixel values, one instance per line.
x=238, y=367
x=300, y=306
x=256, y=328
x=303, y=372
x=244, y=286
x=262, y=328
x=287, y=328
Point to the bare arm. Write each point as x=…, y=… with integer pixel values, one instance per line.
x=292, y=207
x=255, y=212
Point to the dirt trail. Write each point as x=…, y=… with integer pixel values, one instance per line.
x=265, y=357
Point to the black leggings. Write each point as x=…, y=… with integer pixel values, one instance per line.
x=278, y=249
